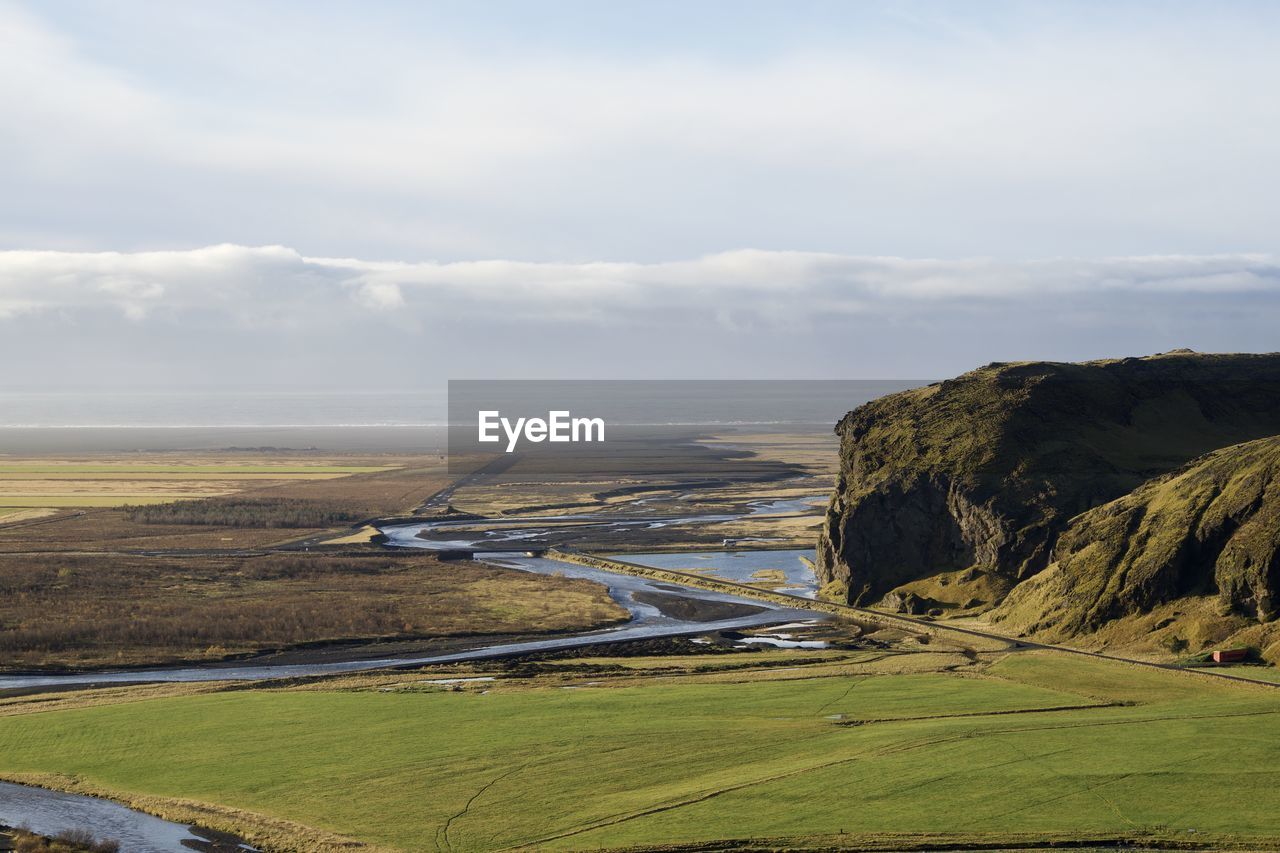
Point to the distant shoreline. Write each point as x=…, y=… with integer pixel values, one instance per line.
x=77, y=440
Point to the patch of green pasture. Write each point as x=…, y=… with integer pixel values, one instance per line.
x=1104, y=680
x=771, y=658
x=1264, y=674
x=394, y=768
x=1208, y=769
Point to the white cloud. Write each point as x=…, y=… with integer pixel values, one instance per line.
x=1132, y=153
x=1055, y=139
x=232, y=315
x=244, y=284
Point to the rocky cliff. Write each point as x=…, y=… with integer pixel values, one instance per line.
x=957, y=491
x=1212, y=528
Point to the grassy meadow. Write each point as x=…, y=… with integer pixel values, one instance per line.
x=806, y=752
x=907, y=742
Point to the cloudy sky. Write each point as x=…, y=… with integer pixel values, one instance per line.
x=311, y=195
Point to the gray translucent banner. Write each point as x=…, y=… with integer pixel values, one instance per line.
x=632, y=428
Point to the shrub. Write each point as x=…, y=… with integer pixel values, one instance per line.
x=67, y=841
x=244, y=512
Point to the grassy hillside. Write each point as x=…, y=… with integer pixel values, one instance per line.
x=980, y=473
x=823, y=755
x=1210, y=530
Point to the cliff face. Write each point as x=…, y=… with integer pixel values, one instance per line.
x=981, y=473
x=1211, y=528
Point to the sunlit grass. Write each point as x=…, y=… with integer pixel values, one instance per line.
x=680, y=760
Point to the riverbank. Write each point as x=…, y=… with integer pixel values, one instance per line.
x=917, y=628
x=53, y=804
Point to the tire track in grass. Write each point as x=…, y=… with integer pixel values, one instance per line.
x=995, y=766
x=964, y=715
x=1038, y=760
x=442, y=833
x=1092, y=789
x=885, y=751
x=843, y=695
x=711, y=794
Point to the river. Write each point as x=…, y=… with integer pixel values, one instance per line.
x=649, y=602
x=655, y=607
x=48, y=813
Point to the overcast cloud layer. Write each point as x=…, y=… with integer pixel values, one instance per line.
x=252, y=316
x=657, y=189
x=641, y=131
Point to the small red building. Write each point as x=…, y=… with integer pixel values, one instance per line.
x=1229, y=655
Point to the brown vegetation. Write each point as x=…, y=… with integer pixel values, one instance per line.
x=89, y=609
x=70, y=841
x=270, y=512
x=388, y=492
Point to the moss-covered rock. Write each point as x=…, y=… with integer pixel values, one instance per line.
x=1212, y=528
x=985, y=470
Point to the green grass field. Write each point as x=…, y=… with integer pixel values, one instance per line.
x=682, y=759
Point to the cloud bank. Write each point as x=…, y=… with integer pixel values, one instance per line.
x=1132, y=150
x=647, y=132
x=250, y=284
x=228, y=314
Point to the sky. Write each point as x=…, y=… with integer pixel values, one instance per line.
x=315, y=195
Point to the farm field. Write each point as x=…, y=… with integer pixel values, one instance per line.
x=812, y=752
x=34, y=483
x=75, y=469
x=92, y=496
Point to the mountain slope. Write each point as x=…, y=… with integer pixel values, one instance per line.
x=959, y=489
x=1211, y=528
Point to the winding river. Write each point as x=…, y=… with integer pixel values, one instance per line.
x=646, y=600
x=48, y=813
x=653, y=606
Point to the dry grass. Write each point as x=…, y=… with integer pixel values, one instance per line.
x=817, y=452
x=73, y=501
x=70, y=841
x=263, y=831
x=10, y=514
x=381, y=485
x=100, y=481
x=113, y=481
x=113, y=610
x=109, y=529
x=785, y=531
x=363, y=536
x=39, y=703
